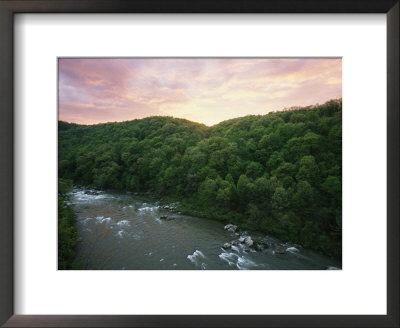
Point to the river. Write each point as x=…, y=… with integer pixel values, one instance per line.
x=121, y=231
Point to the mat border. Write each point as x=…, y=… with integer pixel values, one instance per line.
x=10, y=7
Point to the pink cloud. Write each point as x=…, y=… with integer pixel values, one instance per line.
x=206, y=90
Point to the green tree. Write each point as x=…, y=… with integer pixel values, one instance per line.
x=310, y=235
x=333, y=187
x=309, y=170
x=280, y=199
x=254, y=170
x=208, y=190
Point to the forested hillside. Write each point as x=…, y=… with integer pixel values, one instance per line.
x=279, y=173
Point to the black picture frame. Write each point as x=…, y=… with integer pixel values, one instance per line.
x=10, y=7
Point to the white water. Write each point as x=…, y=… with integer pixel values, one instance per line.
x=122, y=231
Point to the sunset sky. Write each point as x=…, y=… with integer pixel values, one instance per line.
x=202, y=90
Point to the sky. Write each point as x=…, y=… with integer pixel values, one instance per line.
x=204, y=90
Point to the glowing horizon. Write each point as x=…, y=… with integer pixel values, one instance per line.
x=204, y=90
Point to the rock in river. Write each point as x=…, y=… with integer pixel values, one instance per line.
x=91, y=192
x=230, y=227
x=226, y=245
x=248, y=241
x=260, y=247
x=280, y=250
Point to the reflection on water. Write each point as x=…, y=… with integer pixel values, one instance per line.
x=127, y=232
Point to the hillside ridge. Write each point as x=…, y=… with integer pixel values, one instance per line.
x=280, y=173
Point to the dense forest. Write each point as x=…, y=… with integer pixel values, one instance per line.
x=279, y=173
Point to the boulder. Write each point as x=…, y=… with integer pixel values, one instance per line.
x=232, y=228
x=242, y=239
x=226, y=246
x=280, y=250
x=260, y=247
x=163, y=217
x=248, y=241
x=228, y=226
x=91, y=192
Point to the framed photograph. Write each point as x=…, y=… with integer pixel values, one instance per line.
x=196, y=147
x=213, y=164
